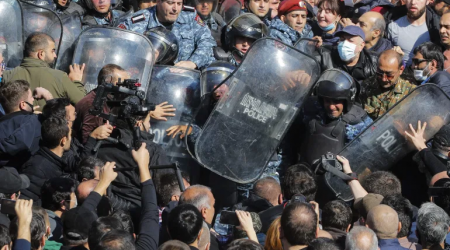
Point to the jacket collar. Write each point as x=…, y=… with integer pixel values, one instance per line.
x=49, y=155
x=33, y=62
x=388, y=242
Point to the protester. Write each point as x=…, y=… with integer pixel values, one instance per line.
x=445, y=38
x=298, y=225
x=337, y=220
x=374, y=25
x=433, y=224
x=361, y=238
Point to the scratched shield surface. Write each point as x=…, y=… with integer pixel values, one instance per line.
x=384, y=143
x=248, y=123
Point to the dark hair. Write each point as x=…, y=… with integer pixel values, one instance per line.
x=36, y=41
x=174, y=245
x=184, y=223
x=335, y=6
x=383, y=183
x=267, y=188
x=100, y=227
x=168, y=186
x=299, y=223
x=431, y=51
x=404, y=210
x=244, y=244
x=86, y=168
x=323, y=244
x=53, y=130
x=108, y=72
x=125, y=218
x=5, y=239
x=443, y=200
x=12, y=93
x=299, y=179
x=37, y=229
x=337, y=214
x=55, y=191
x=56, y=107
x=116, y=240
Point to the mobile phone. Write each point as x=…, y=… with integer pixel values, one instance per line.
x=229, y=218
x=8, y=206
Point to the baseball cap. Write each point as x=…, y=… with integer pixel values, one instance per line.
x=291, y=5
x=77, y=222
x=11, y=181
x=352, y=30
x=368, y=202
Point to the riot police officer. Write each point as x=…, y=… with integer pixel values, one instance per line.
x=328, y=120
x=239, y=37
x=100, y=12
x=206, y=10
x=194, y=37
x=165, y=45
x=278, y=29
x=67, y=7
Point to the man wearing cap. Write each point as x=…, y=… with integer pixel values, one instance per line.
x=10, y=185
x=294, y=14
x=351, y=56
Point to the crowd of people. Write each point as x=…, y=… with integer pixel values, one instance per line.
x=76, y=163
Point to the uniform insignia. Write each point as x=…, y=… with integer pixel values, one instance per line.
x=199, y=20
x=122, y=26
x=138, y=18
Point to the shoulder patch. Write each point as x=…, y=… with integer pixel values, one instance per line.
x=138, y=18
x=122, y=26
x=199, y=20
x=188, y=8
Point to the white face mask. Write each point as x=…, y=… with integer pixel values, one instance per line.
x=346, y=50
x=418, y=73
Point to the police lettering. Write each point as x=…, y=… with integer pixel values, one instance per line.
x=258, y=109
x=387, y=140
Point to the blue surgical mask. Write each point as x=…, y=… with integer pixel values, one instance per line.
x=419, y=73
x=346, y=50
x=328, y=27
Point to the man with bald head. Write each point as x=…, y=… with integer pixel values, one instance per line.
x=266, y=193
x=444, y=31
x=361, y=238
x=373, y=25
x=85, y=188
x=380, y=92
x=383, y=220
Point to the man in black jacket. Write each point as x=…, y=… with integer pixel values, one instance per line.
x=47, y=163
x=351, y=56
x=265, y=194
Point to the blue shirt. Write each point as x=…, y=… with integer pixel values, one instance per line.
x=194, y=38
x=390, y=244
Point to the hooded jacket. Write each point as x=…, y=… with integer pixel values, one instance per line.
x=39, y=74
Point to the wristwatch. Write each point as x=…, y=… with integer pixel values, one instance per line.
x=354, y=176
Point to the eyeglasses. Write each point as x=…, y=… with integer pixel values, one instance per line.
x=388, y=75
x=416, y=61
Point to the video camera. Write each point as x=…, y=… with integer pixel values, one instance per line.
x=125, y=95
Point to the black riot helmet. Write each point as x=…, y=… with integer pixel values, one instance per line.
x=60, y=7
x=246, y=25
x=194, y=3
x=164, y=43
x=337, y=84
x=215, y=74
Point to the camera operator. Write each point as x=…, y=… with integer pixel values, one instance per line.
x=127, y=185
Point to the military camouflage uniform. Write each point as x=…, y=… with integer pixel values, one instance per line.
x=283, y=32
x=377, y=101
x=194, y=38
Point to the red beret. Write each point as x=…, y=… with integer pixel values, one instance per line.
x=290, y=5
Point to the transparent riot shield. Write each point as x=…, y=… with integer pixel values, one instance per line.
x=384, y=143
x=41, y=19
x=306, y=45
x=181, y=88
x=11, y=32
x=230, y=9
x=99, y=46
x=248, y=123
x=71, y=30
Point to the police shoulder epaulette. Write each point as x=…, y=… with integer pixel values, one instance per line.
x=138, y=18
x=199, y=20
x=188, y=8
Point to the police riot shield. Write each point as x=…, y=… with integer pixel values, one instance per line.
x=11, y=32
x=230, y=9
x=264, y=95
x=71, y=30
x=384, y=143
x=38, y=18
x=98, y=46
x=306, y=45
x=179, y=87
